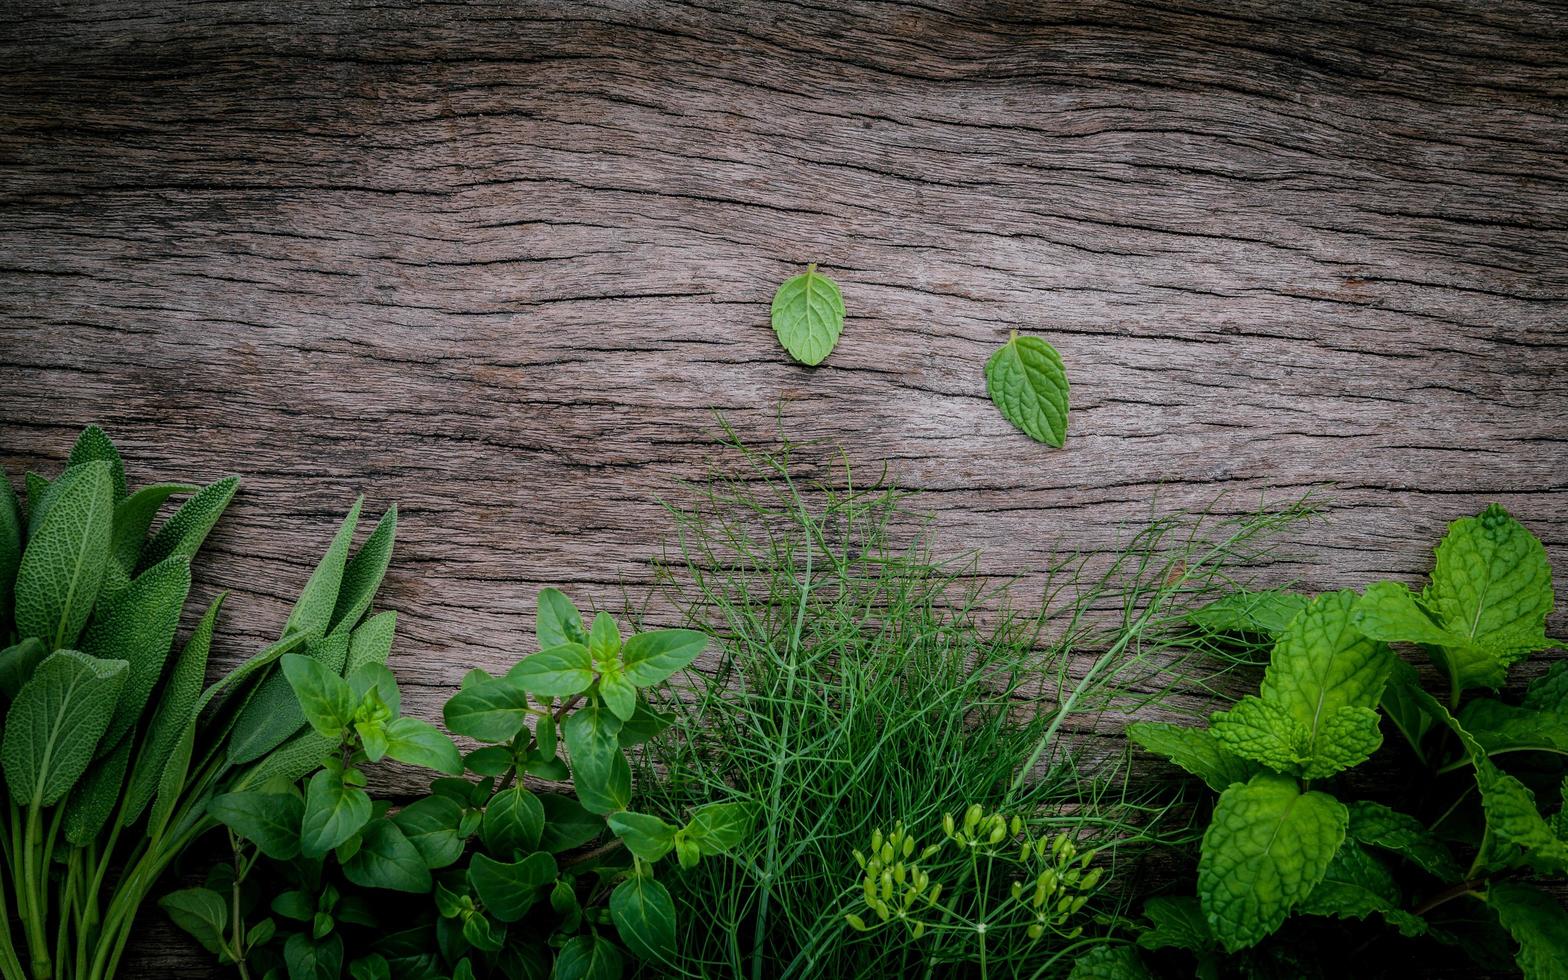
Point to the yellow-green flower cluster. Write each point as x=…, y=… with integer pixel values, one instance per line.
x=893, y=881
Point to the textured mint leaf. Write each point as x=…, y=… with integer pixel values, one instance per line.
x=1512, y=818
x=1267, y=846
x=1503, y=728
x=54, y=725
x=1549, y=692
x=1104, y=962
x=1321, y=664
x=1195, y=750
x=1176, y=923
x=62, y=567
x=1492, y=588
x=1263, y=732
x=808, y=316
x=1379, y=826
x=1402, y=708
x=1028, y=383
x=1267, y=612
x=1390, y=612
x=1348, y=738
x=1538, y=923
x=1357, y=885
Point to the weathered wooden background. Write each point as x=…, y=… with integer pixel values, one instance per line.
x=501, y=263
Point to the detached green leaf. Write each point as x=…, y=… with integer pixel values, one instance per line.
x=557, y=672
x=490, y=710
x=509, y=889
x=334, y=812
x=644, y=916
x=419, y=743
x=386, y=859
x=559, y=621
x=55, y=723
x=271, y=821
x=138, y=627
x=808, y=316
x=1538, y=923
x=645, y=835
x=650, y=658
x=1195, y=750
x=58, y=578
x=1267, y=847
x=1028, y=382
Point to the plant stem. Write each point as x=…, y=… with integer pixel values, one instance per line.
x=1467, y=887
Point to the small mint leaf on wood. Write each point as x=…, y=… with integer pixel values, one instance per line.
x=1028, y=382
x=808, y=316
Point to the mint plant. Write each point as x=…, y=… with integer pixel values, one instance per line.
x=112, y=745
x=518, y=882
x=1463, y=865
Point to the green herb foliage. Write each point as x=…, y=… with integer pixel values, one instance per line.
x=1028, y=382
x=808, y=316
x=863, y=684
x=1459, y=863
x=111, y=748
x=511, y=880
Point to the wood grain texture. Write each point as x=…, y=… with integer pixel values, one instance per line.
x=503, y=262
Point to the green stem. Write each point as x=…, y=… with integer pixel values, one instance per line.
x=36, y=879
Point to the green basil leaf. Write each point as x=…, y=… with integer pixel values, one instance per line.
x=652, y=657
x=314, y=959
x=559, y=621
x=509, y=889
x=271, y=821
x=482, y=933
x=1028, y=383
x=618, y=693
x=419, y=743
x=644, y=917
x=387, y=859
x=513, y=821
x=373, y=676
x=55, y=723
x=491, y=710
x=718, y=827
x=492, y=760
x=604, y=639
x=334, y=812
x=645, y=835
x=431, y=824
x=588, y=958
x=567, y=824
x=557, y=672
x=63, y=565
x=1266, y=848
x=808, y=316
x=602, y=777
x=644, y=724
x=201, y=912
x=324, y=697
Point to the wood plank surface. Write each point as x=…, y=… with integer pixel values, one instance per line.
x=502, y=263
